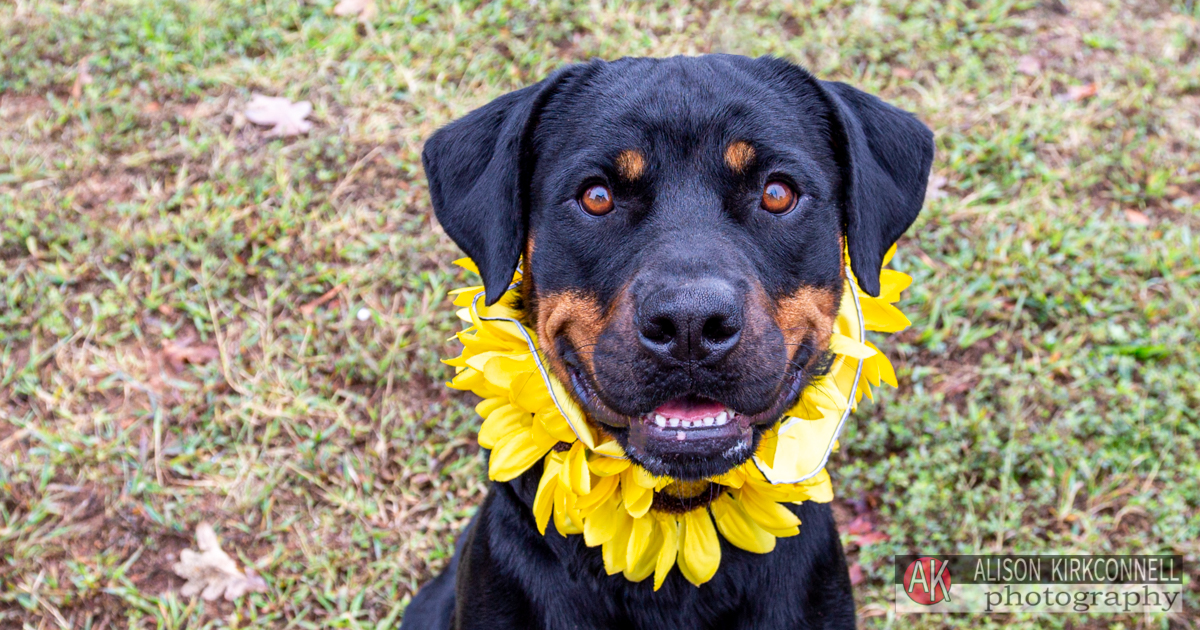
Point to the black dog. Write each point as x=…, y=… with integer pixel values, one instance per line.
x=681, y=225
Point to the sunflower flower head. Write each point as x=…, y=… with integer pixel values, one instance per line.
x=647, y=525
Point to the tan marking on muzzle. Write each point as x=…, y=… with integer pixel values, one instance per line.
x=578, y=316
x=808, y=314
x=631, y=164
x=738, y=155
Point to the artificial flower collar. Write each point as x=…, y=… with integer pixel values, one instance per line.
x=589, y=487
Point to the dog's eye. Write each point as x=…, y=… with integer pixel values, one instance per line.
x=778, y=197
x=597, y=200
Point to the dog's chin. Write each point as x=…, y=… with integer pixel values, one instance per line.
x=687, y=437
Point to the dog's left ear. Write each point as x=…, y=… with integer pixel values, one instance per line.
x=478, y=169
x=884, y=154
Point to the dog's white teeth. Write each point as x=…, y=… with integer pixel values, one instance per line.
x=681, y=436
x=660, y=420
x=708, y=422
x=674, y=422
x=722, y=419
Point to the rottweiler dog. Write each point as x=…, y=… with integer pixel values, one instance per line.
x=681, y=225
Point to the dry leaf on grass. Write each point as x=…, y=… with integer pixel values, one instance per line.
x=862, y=532
x=82, y=78
x=859, y=526
x=364, y=9
x=856, y=574
x=1137, y=218
x=934, y=189
x=1082, y=92
x=182, y=351
x=871, y=539
x=1029, y=66
x=286, y=117
x=212, y=572
x=311, y=307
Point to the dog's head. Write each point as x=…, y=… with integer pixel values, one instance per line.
x=682, y=224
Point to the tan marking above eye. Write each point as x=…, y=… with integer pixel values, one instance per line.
x=778, y=197
x=738, y=155
x=631, y=164
x=597, y=200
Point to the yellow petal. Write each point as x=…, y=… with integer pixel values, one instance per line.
x=824, y=393
x=574, y=517
x=870, y=371
x=479, y=361
x=820, y=488
x=669, y=550
x=637, y=499
x=468, y=380
x=488, y=405
x=573, y=414
x=578, y=475
x=501, y=370
x=739, y=529
x=564, y=503
x=602, y=524
x=769, y=515
x=880, y=316
x=610, y=448
x=769, y=442
x=554, y=424
x=538, y=432
x=529, y=392
x=841, y=344
x=842, y=373
x=468, y=264
x=733, y=478
x=616, y=550
x=513, y=455
x=887, y=256
x=883, y=367
x=468, y=290
x=642, y=477
x=604, y=489
x=501, y=423
x=645, y=542
x=603, y=466
x=699, y=549
x=543, y=501
x=891, y=284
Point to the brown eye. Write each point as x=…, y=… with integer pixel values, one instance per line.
x=597, y=200
x=778, y=197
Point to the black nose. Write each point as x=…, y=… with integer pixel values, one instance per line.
x=699, y=320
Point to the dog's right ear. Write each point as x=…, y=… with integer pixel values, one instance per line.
x=479, y=168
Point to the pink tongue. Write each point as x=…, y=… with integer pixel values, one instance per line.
x=685, y=409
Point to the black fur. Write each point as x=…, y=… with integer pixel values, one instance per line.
x=687, y=239
x=506, y=575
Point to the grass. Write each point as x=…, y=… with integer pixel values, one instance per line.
x=1050, y=383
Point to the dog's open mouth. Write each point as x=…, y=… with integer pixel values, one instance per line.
x=687, y=437
x=689, y=418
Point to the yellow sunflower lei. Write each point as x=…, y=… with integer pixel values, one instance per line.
x=590, y=488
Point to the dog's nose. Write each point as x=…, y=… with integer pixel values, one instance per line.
x=699, y=320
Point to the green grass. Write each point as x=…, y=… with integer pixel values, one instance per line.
x=1050, y=383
